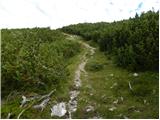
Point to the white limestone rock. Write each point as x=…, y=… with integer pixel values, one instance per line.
x=58, y=110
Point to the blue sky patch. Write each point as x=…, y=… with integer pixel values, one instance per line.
x=139, y=6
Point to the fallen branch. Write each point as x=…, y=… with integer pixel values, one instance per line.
x=48, y=95
x=43, y=104
x=130, y=87
x=9, y=115
x=19, y=115
x=9, y=96
x=25, y=100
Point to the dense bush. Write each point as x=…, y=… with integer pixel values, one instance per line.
x=34, y=59
x=133, y=42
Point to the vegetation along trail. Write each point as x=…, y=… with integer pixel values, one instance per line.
x=66, y=109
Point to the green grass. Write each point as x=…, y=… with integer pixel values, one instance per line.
x=98, y=83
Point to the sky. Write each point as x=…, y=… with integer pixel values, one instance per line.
x=59, y=13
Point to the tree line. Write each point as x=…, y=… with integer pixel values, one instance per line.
x=133, y=43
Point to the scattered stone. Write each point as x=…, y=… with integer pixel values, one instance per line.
x=125, y=117
x=135, y=74
x=89, y=108
x=137, y=111
x=44, y=67
x=132, y=108
x=121, y=98
x=91, y=94
x=104, y=97
x=74, y=94
x=72, y=105
x=112, y=108
x=58, y=110
x=77, y=83
x=115, y=102
x=111, y=75
x=114, y=85
x=24, y=101
x=144, y=101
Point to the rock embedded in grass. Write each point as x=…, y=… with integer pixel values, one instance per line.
x=135, y=74
x=112, y=108
x=144, y=101
x=74, y=94
x=72, y=105
x=89, y=108
x=115, y=102
x=59, y=110
x=111, y=75
x=23, y=102
x=91, y=94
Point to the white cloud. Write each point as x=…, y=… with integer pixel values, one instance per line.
x=57, y=13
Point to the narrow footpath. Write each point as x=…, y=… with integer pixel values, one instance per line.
x=73, y=102
x=62, y=108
